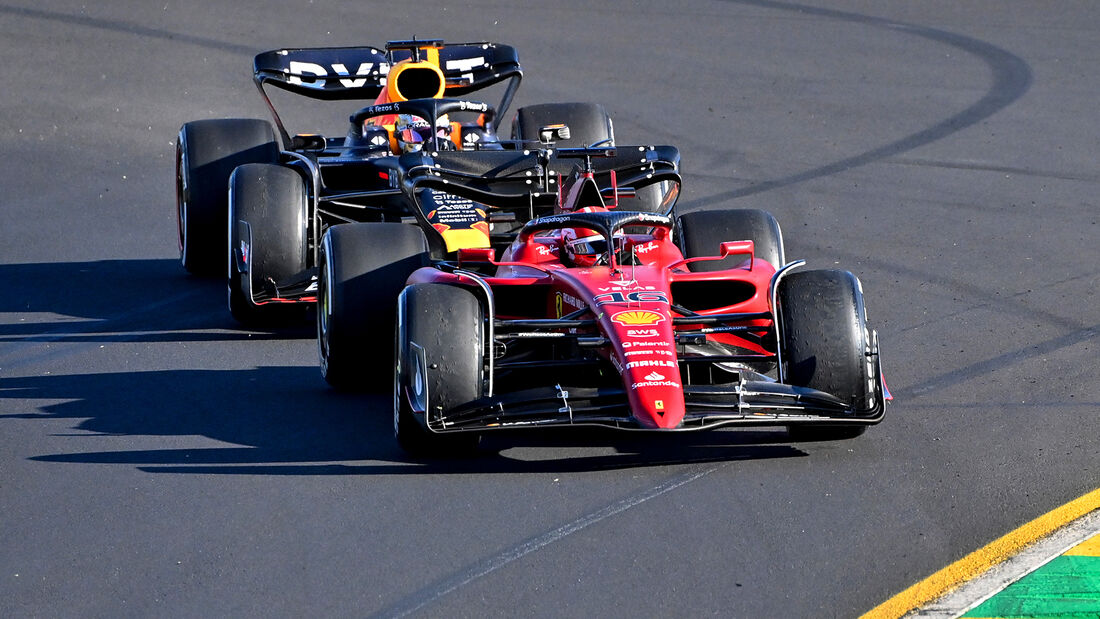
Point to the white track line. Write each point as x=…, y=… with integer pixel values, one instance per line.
x=429, y=595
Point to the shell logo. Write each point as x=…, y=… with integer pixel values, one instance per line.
x=634, y=318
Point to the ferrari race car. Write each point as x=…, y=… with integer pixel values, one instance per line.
x=253, y=197
x=597, y=315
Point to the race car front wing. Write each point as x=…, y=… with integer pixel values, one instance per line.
x=752, y=400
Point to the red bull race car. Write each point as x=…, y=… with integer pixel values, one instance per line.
x=253, y=201
x=598, y=315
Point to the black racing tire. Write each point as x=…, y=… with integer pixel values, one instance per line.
x=589, y=123
x=647, y=199
x=701, y=232
x=207, y=152
x=440, y=347
x=268, y=211
x=363, y=268
x=823, y=339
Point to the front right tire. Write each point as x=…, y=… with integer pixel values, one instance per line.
x=701, y=232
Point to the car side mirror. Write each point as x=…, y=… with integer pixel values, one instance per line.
x=478, y=255
x=552, y=133
x=310, y=142
x=733, y=248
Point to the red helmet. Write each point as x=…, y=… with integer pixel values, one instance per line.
x=585, y=247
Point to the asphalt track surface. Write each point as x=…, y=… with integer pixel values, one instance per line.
x=155, y=459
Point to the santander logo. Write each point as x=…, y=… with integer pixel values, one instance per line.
x=655, y=379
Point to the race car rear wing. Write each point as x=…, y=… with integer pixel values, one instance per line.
x=359, y=73
x=516, y=181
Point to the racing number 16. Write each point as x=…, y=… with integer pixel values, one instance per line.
x=638, y=296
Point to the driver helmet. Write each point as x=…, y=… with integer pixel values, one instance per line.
x=413, y=132
x=585, y=247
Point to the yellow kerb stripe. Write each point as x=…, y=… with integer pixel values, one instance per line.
x=1087, y=548
x=982, y=559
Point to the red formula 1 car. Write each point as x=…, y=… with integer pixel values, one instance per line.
x=628, y=320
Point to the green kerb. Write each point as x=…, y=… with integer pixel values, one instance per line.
x=1067, y=587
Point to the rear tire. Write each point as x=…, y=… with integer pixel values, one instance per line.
x=823, y=331
x=363, y=268
x=648, y=199
x=268, y=212
x=589, y=123
x=440, y=347
x=701, y=233
x=207, y=152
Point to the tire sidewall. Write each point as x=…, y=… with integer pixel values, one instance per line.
x=440, y=342
x=271, y=201
x=700, y=233
x=589, y=123
x=207, y=152
x=823, y=332
x=363, y=268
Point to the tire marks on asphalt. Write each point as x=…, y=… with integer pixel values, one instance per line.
x=1011, y=80
x=113, y=25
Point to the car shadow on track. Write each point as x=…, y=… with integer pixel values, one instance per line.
x=151, y=300
x=285, y=421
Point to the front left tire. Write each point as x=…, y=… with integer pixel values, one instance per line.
x=440, y=350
